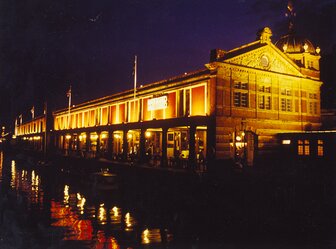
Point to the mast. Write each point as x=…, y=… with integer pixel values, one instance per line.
x=135, y=75
x=69, y=106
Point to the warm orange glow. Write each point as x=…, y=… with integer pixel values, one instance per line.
x=13, y=174
x=318, y=50
x=115, y=211
x=157, y=103
x=148, y=134
x=81, y=202
x=66, y=194
x=151, y=236
x=68, y=137
x=78, y=229
x=102, y=214
x=93, y=136
x=286, y=141
x=198, y=101
x=117, y=136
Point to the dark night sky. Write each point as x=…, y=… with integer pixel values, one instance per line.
x=45, y=45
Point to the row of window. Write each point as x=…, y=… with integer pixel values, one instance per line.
x=36, y=126
x=190, y=101
x=241, y=98
x=303, y=148
x=267, y=89
x=265, y=103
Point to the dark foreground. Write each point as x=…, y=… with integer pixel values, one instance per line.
x=56, y=205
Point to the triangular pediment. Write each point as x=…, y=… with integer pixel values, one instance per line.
x=265, y=57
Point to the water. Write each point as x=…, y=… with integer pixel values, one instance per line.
x=55, y=206
x=62, y=208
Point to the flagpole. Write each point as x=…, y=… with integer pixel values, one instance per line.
x=69, y=95
x=135, y=75
x=46, y=129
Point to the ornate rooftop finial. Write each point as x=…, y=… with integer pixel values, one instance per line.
x=290, y=13
x=264, y=35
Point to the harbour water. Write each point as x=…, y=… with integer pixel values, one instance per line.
x=55, y=206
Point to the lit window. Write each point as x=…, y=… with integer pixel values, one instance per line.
x=240, y=99
x=300, y=147
x=311, y=107
x=241, y=94
x=267, y=89
x=264, y=102
x=264, y=97
x=241, y=85
x=319, y=147
x=286, y=141
x=286, y=105
x=315, y=107
x=285, y=91
x=306, y=148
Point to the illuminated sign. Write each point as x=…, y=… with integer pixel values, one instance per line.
x=287, y=141
x=157, y=103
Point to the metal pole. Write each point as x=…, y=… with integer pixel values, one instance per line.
x=135, y=75
x=69, y=95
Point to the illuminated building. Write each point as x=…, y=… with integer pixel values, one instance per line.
x=32, y=133
x=231, y=110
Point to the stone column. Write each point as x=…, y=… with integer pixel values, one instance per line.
x=110, y=145
x=77, y=144
x=164, y=162
x=88, y=143
x=63, y=145
x=192, y=153
x=125, y=144
x=98, y=145
x=142, y=152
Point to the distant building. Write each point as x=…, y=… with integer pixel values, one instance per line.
x=230, y=110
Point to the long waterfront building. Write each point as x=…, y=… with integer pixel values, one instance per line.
x=230, y=110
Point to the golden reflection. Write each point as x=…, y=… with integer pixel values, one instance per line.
x=23, y=175
x=102, y=214
x=81, y=202
x=115, y=215
x=144, y=236
x=115, y=211
x=76, y=229
x=35, y=180
x=108, y=243
x=1, y=163
x=151, y=236
x=34, y=187
x=129, y=222
x=114, y=243
x=66, y=195
x=13, y=174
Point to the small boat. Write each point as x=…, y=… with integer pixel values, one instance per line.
x=104, y=181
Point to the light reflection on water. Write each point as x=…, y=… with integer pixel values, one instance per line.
x=150, y=236
x=77, y=214
x=13, y=174
x=1, y=163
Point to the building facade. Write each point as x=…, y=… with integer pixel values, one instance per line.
x=32, y=134
x=230, y=110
